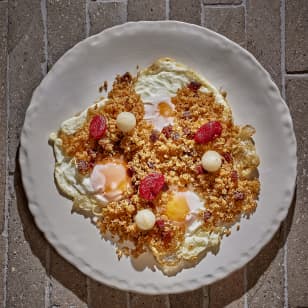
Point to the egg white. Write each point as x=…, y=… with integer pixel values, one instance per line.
x=159, y=82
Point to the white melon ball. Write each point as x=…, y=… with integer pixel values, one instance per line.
x=126, y=121
x=145, y=219
x=211, y=161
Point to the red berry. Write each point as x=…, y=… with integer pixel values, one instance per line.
x=227, y=156
x=98, y=127
x=160, y=224
x=208, y=132
x=151, y=185
x=199, y=169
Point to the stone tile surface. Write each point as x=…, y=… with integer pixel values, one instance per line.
x=296, y=35
x=66, y=26
x=139, y=300
x=188, y=299
x=228, y=292
x=3, y=147
x=146, y=10
x=263, y=35
x=185, y=10
x=68, y=285
x=222, y=1
x=69, y=21
x=227, y=21
x=104, y=296
x=265, y=275
x=26, y=255
x=297, y=93
x=105, y=15
x=3, y=105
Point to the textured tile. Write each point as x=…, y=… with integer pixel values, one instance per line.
x=222, y=295
x=265, y=275
x=3, y=148
x=139, y=300
x=222, y=1
x=26, y=55
x=104, y=296
x=186, y=10
x=27, y=251
x=263, y=34
x=297, y=92
x=3, y=106
x=187, y=299
x=105, y=15
x=66, y=26
x=296, y=35
x=68, y=285
x=146, y=10
x=26, y=255
x=229, y=22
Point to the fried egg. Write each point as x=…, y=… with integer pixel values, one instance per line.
x=108, y=181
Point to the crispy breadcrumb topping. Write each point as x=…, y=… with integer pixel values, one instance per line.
x=227, y=193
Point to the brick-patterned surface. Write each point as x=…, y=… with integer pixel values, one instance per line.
x=263, y=34
x=296, y=36
x=296, y=92
x=185, y=10
x=227, y=21
x=221, y=294
x=146, y=10
x=37, y=33
x=3, y=117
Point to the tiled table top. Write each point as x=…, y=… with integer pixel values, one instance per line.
x=34, y=34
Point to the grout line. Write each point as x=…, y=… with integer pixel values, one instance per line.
x=283, y=47
x=167, y=2
x=167, y=302
x=110, y=1
x=128, y=300
x=245, y=17
x=245, y=287
x=44, y=65
x=223, y=6
x=205, y=299
x=296, y=75
x=5, y=233
x=126, y=10
x=88, y=292
x=202, y=14
x=44, y=68
x=48, y=283
x=88, y=24
x=285, y=267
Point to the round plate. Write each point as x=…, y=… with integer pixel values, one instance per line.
x=72, y=85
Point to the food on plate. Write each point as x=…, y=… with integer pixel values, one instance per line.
x=160, y=165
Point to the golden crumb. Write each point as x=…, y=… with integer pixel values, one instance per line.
x=173, y=152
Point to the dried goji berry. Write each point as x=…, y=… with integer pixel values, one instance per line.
x=98, y=127
x=208, y=132
x=227, y=156
x=207, y=215
x=160, y=223
x=151, y=185
x=199, y=169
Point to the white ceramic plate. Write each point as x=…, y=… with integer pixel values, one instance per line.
x=72, y=85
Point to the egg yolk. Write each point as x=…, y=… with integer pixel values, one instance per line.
x=177, y=208
x=110, y=179
x=164, y=109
